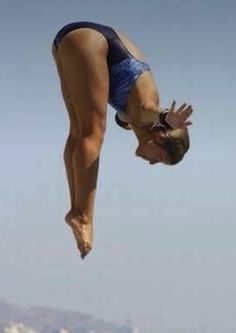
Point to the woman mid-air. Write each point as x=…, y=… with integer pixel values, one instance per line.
x=98, y=65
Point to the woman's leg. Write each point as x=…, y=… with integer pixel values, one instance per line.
x=84, y=73
x=71, y=140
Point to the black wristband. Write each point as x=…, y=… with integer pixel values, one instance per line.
x=162, y=117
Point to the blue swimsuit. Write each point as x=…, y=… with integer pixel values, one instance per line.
x=124, y=69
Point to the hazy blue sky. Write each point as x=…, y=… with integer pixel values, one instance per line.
x=165, y=251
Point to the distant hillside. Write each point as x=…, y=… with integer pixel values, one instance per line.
x=52, y=320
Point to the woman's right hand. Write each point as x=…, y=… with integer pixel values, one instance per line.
x=177, y=118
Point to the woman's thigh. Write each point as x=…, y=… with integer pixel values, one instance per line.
x=82, y=66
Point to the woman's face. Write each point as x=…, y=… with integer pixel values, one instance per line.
x=151, y=151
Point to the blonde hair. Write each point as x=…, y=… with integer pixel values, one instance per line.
x=175, y=142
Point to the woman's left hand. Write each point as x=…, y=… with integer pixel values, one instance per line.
x=179, y=118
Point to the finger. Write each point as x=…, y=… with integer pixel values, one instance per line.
x=185, y=113
x=173, y=106
x=181, y=108
x=188, y=123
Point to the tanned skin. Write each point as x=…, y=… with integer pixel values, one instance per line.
x=81, y=60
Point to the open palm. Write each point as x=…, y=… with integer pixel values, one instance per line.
x=177, y=118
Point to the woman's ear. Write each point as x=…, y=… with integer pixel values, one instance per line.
x=160, y=137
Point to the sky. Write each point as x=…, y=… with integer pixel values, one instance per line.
x=164, y=245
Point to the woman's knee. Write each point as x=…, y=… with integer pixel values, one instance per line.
x=91, y=143
x=93, y=123
x=81, y=133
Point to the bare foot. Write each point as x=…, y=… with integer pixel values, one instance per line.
x=83, y=232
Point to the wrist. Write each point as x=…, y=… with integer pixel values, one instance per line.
x=162, y=118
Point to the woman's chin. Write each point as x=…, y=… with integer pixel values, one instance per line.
x=153, y=162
